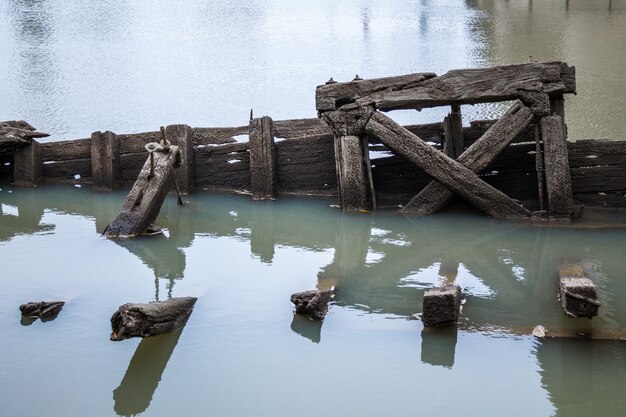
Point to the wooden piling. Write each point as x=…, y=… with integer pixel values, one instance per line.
x=262, y=158
x=354, y=178
x=105, y=160
x=27, y=165
x=558, y=181
x=452, y=127
x=182, y=136
x=441, y=306
x=579, y=297
x=144, y=201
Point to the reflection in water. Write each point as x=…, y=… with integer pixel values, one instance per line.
x=439, y=345
x=144, y=373
x=380, y=265
x=311, y=329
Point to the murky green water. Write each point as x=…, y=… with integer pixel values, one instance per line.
x=244, y=353
x=73, y=67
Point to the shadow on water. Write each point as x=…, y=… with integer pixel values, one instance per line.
x=305, y=327
x=145, y=370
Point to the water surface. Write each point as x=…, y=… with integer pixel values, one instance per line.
x=243, y=352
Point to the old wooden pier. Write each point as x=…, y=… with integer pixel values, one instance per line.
x=514, y=167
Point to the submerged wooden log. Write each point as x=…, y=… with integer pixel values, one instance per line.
x=558, y=180
x=441, y=306
x=579, y=297
x=42, y=309
x=144, y=201
x=151, y=319
x=313, y=304
x=449, y=172
x=477, y=157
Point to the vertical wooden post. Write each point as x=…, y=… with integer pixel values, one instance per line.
x=182, y=136
x=558, y=180
x=453, y=133
x=262, y=158
x=27, y=165
x=353, y=175
x=539, y=167
x=105, y=160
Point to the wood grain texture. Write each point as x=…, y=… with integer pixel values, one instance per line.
x=105, y=160
x=477, y=85
x=449, y=172
x=27, y=165
x=354, y=182
x=435, y=195
x=558, y=180
x=183, y=137
x=66, y=150
x=262, y=159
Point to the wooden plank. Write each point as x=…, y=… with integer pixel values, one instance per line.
x=223, y=167
x=452, y=128
x=27, y=165
x=136, y=142
x=67, y=171
x=332, y=96
x=183, y=137
x=144, y=201
x=105, y=160
x=558, y=181
x=595, y=152
x=477, y=157
x=608, y=178
x=463, y=86
x=218, y=135
x=262, y=159
x=294, y=128
x=66, y=150
x=354, y=183
x=449, y=172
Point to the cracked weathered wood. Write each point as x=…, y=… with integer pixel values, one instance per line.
x=42, y=309
x=578, y=293
x=558, y=180
x=144, y=200
x=313, y=304
x=441, y=306
x=332, y=96
x=479, y=85
x=354, y=179
x=27, y=165
x=451, y=173
x=452, y=128
x=150, y=319
x=262, y=158
x=477, y=157
x=15, y=134
x=105, y=160
x=183, y=137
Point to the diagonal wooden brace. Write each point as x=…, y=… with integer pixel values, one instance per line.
x=477, y=157
x=454, y=175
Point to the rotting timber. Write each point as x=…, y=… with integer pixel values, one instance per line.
x=517, y=165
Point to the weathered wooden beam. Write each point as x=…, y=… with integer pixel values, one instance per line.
x=105, y=160
x=463, y=86
x=558, y=180
x=330, y=97
x=183, y=137
x=579, y=297
x=144, y=201
x=354, y=183
x=262, y=158
x=27, y=165
x=15, y=134
x=151, y=319
x=452, y=127
x=477, y=157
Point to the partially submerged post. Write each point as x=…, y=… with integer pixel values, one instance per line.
x=18, y=136
x=144, y=201
x=151, y=319
x=579, y=297
x=262, y=158
x=105, y=160
x=441, y=306
x=313, y=304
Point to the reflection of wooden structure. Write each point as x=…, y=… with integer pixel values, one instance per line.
x=352, y=111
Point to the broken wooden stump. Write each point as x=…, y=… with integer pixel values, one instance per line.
x=144, y=201
x=42, y=309
x=263, y=170
x=105, y=160
x=151, y=319
x=313, y=303
x=578, y=293
x=441, y=306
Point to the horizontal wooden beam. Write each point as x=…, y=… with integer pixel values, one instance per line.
x=462, y=86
